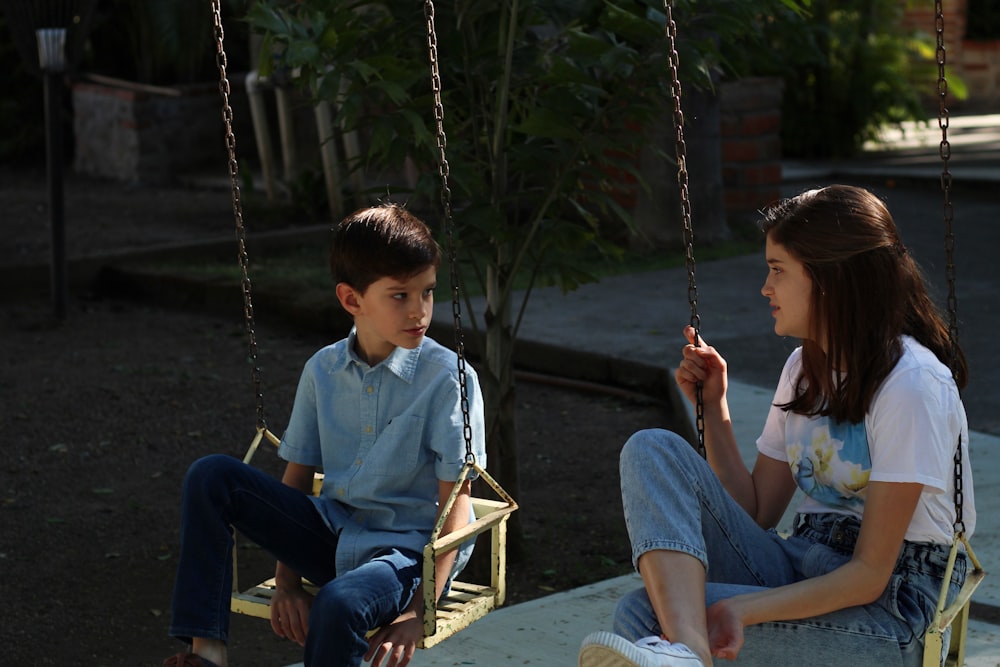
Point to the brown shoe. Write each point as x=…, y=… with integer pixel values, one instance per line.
x=187, y=660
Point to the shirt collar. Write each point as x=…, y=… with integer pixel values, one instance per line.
x=402, y=362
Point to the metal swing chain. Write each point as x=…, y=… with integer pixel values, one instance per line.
x=234, y=173
x=949, y=238
x=682, y=180
x=444, y=171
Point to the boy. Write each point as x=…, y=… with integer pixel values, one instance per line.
x=380, y=413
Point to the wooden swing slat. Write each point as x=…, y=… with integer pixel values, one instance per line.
x=455, y=611
x=256, y=601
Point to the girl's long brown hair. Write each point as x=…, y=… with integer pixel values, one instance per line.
x=867, y=292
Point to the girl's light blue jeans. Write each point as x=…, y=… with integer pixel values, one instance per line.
x=674, y=501
x=221, y=492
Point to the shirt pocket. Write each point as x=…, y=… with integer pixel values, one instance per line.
x=398, y=450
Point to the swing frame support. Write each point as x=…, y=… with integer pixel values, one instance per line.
x=955, y=615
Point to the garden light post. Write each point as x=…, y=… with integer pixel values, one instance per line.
x=49, y=36
x=52, y=62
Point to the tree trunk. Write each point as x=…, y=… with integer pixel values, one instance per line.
x=500, y=395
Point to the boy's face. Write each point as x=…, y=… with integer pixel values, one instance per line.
x=391, y=313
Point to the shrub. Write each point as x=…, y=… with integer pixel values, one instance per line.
x=849, y=69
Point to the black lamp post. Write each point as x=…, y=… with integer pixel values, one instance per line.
x=49, y=35
x=52, y=60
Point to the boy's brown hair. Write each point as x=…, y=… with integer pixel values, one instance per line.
x=378, y=242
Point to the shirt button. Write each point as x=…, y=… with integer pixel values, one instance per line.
x=368, y=429
x=370, y=389
x=358, y=462
x=340, y=492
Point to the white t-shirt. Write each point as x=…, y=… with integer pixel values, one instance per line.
x=908, y=435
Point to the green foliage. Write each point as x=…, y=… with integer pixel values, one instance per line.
x=544, y=102
x=161, y=42
x=849, y=69
x=732, y=35
x=21, y=105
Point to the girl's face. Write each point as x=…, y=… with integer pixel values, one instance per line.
x=789, y=289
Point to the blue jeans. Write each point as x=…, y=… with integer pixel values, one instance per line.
x=220, y=493
x=674, y=501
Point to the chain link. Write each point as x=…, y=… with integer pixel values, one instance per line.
x=949, y=238
x=234, y=179
x=444, y=171
x=682, y=179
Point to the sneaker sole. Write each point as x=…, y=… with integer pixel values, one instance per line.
x=606, y=649
x=604, y=656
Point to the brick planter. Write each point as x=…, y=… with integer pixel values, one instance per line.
x=149, y=134
x=981, y=71
x=750, y=126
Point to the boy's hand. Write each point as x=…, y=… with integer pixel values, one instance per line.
x=396, y=642
x=290, y=613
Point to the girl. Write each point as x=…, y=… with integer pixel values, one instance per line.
x=865, y=421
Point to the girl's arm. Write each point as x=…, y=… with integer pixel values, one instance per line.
x=764, y=494
x=889, y=507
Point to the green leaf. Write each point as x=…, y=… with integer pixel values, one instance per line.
x=632, y=27
x=265, y=18
x=547, y=123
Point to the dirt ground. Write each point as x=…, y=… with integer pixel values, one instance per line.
x=103, y=411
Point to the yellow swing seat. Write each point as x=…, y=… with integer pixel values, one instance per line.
x=954, y=615
x=465, y=602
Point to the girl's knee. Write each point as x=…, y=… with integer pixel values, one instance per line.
x=637, y=449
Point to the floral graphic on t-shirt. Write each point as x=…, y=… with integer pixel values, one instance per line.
x=830, y=462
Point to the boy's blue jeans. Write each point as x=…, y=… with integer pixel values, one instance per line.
x=221, y=492
x=674, y=501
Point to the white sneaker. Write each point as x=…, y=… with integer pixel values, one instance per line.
x=606, y=649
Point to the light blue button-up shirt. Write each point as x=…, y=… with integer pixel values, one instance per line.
x=384, y=436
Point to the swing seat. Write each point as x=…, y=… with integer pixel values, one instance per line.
x=954, y=615
x=464, y=603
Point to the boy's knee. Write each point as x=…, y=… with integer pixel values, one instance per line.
x=209, y=470
x=210, y=465
x=332, y=608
